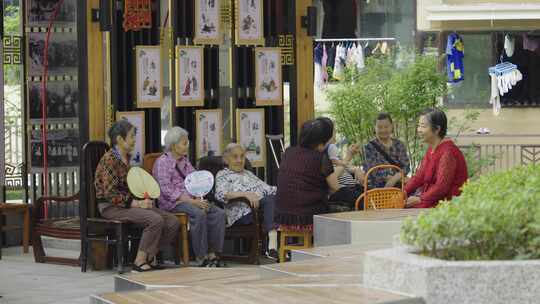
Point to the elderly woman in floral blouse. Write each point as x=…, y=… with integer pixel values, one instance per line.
x=207, y=222
x=234, y=182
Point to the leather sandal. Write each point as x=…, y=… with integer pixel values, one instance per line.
x=139, y=268
x=156, y=266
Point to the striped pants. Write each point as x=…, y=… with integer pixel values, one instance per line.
x=160, y=227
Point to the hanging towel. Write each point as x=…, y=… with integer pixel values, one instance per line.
x=359, y=58
x=454, y=58
x=495, y=99
x=509, y=45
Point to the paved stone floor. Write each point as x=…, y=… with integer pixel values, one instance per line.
x=22, y=281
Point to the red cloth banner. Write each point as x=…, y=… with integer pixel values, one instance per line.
x=137, y=15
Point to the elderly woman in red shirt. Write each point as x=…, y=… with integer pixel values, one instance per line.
x=443, y=170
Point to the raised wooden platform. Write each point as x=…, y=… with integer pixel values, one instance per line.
x=373, y=227
x=331, y=275
x=256, y=294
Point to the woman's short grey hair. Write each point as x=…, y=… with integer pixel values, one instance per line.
x=120, y=128
x=174, y=136
x=230, y=147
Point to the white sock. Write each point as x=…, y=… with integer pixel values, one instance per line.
x=272, y=239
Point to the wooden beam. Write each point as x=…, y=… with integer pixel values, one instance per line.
x=96, y=107
x=304, y=66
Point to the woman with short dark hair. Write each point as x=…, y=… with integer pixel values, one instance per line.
x=443, y=170
x=385, y=150
x=305, y=176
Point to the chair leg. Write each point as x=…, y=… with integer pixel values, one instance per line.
x=282, y=239
x=39, y=252
x=307, y=240
x=176, y=247
x=26, y=229
x=120, y=248
x=185, y=245
x=84, y=254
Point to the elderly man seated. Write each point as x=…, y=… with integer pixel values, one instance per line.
x=207, y=222
x=117, y=203
x=235, y=186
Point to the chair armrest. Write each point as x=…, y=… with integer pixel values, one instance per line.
x=105, y=221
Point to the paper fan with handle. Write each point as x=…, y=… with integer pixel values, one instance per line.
x=141, y=184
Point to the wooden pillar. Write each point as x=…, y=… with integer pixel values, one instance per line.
x=96, y=102
x=304, y=67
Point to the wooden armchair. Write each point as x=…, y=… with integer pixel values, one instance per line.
x=93, y=227
x=62, y=221
x=148, y=165
x=251, y=232
x=382, y=198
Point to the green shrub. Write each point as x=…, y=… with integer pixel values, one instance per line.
x=497, y=217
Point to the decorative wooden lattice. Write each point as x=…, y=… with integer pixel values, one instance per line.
x=137, y=15
x=13, y=176
x=12, y=49
x=286, y=43
x=530, y=155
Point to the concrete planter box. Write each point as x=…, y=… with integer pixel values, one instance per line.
x=439, y=281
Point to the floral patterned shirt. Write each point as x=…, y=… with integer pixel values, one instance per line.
x=397, y=152
x=170, y=174
x=229, y=181
x=110, y=181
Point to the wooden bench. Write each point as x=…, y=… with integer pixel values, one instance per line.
x=6, y=209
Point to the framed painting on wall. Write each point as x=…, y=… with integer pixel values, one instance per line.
x=148, y=76
x=207, y=22
x=250, y=134
x=249, y=22
x=189, y=76
x=209, y=137
x=63, y=54
x=268, y=83
x=40, y=12
x=136, y=118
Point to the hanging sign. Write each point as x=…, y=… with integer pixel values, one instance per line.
x=137, y=15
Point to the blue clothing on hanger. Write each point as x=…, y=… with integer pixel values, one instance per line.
x=454, y=58
x=318, y=53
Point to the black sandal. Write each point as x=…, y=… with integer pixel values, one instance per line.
x=218, y=263
x=139, y=268
x=155, y=267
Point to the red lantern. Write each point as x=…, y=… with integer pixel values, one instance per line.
x=137, y=15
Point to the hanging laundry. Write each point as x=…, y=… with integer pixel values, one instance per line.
x=495, y=99
x=504, y=76
x=339, y=66
x=350, y=56
x=331, y=56
x=509, y=45
x=359, y=58
x=318, y=53
x=530, y=43
x=323, y=65
x=454, y=58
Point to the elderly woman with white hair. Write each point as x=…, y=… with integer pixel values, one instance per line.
x=207, y=222
x=236, y=186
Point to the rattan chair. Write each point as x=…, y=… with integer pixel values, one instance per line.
x=382, y=198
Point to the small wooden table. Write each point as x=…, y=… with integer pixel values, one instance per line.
x=16, y=208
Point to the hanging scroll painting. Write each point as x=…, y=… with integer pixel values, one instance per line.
x=148, y=76
x=249, y=22
x=136, y=118
x=189, y=76
x=207, y=22
x=268, y=82
x=209, y=127
x=250, y=134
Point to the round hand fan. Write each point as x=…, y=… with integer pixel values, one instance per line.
x=199, y=183
x=141, y=184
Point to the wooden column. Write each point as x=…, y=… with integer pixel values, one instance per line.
x=96, y=102
x=304, y=67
